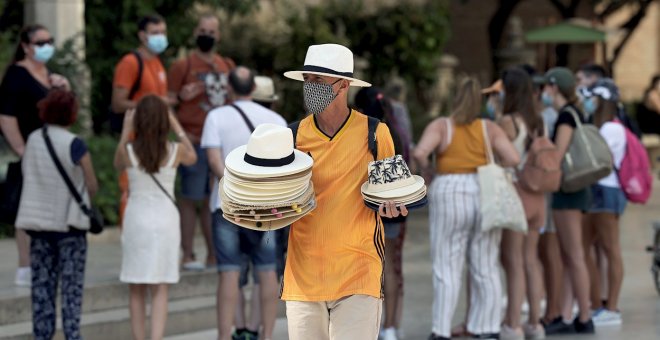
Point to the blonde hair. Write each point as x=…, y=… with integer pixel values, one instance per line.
x=467, y=101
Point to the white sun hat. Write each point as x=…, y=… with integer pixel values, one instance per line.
x=390, y=179
x=330, y=60
x=268, y=153
x=264, y=90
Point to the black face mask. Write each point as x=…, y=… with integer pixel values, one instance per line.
x=205, y=42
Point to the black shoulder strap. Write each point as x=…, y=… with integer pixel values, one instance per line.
x=245, y=118
x=372, y=124
x=138, y=81
x=62, y=172
x=294, y=129
x=163, y=189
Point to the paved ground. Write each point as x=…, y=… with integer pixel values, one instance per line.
x=640, y=303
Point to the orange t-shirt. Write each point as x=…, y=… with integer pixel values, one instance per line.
x=154, y=79
x=192, y=113
x=337, y=250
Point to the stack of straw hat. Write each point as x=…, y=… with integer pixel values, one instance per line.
x=267, y=183
x=390, y=179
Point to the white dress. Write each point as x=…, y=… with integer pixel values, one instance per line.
x=151, y=236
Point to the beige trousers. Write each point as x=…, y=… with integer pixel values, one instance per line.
x=352, y=317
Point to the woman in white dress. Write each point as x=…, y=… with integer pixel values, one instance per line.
x=151, y=234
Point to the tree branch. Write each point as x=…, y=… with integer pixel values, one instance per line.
x=611, y=8
x=630, y=26
x=559, y=5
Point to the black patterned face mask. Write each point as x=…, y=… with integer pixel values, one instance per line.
x=318, y=96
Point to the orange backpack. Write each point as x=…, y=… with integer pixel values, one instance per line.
x=541, y=170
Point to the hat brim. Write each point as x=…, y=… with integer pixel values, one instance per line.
x=411, y=206
x=286, y=211
x=270, y=225
x=271, y=99
x=273, y=217
x=256, y=197
x=298, y=75
x=395, y=193
x=403, y=200
x=235, y=163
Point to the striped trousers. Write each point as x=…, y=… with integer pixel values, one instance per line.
x=455, y=233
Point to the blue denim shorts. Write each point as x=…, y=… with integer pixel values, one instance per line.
x=607, y=200
x=392, y=229
x=195, y=178
x=230, y=246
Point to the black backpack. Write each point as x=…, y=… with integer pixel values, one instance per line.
x=372, y=125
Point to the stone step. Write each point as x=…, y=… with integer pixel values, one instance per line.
x=185, y=316
x=111, y=295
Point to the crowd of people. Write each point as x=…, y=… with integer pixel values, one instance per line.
x=342, y=260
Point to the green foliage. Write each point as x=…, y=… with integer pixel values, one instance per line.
x=406, y=38
x=102, y=149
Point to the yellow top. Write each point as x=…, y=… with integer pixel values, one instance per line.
x=465, y=152
x=338, y=249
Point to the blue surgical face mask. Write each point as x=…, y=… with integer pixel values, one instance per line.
x=43, y=53
x=490, y=109
x=589, y=105
x=546, y=99
x=157, y=43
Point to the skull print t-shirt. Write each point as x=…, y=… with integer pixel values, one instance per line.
x=212, y=77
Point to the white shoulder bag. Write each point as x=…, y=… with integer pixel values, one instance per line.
x=500, y=203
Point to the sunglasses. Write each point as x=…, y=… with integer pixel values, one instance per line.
x=40, y=43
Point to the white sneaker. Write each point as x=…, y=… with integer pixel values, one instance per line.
x=605, y=317
x=193, y=266
x=534, y=332
x=508, y=333
x=389, y=334
x=23, y=277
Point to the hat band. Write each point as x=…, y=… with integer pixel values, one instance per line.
x=269, y=162
x=312, y=68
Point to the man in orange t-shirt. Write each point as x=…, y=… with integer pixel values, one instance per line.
x=198, y=83
x=152, y=33
x=333, y=279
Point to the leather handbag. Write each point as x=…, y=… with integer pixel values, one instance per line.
x=500, y=205
x=96, y=221
x=588, y=158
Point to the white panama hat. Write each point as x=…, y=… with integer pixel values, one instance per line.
x=330, y=60
x=268, y=153
x=390, y=179
x=264, y=90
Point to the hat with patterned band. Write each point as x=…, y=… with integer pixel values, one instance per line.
x=330, y=60
x=268, y=153
x=390, y=178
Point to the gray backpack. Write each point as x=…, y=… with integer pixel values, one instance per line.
x=588, y=158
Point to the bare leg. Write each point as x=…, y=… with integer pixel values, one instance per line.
x=569, y=230
x=239, y=321
x=255, y=309
x=553, y=273
x=205, y=221
x=567, y=298
x=188, y=221
x=227, y=298
x=23, y=245
x=533, y=275
x=609, y=238
x=512, y=261
x=269, y=293
x=589, y=233
x=391, y=284
x=158, y=310
x=137, y=305
x=603, y=269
